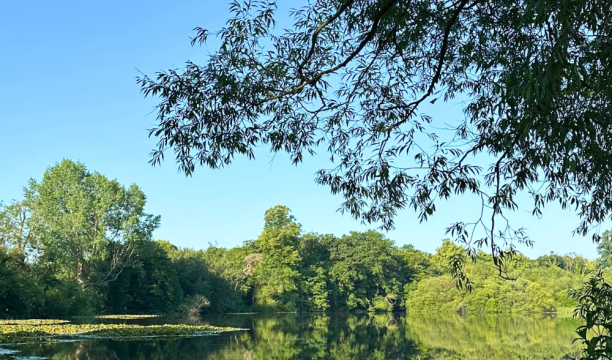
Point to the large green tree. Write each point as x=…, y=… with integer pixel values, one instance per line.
x=87, y=224
x=315, y=285
x=368, y=272
x=351, y=77
x=276, y=276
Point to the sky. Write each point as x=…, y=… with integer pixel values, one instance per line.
x=68, y=90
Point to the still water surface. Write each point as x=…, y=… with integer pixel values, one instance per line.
x=340, y=337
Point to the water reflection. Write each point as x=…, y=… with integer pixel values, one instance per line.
x=339, y=337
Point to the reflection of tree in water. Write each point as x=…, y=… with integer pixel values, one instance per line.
x=321, y=337
x=79, y=350
x=338, y=337
x=406, y=337
x=179, y=348
x=494, y=337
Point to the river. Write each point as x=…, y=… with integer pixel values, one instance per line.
x=338, y=337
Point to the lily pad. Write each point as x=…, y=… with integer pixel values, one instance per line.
x=46, y=333
x=127, y=317
x=33, y=322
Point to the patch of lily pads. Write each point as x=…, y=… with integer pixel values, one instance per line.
x=33, y=322
x=45, y=333
x=127, y=317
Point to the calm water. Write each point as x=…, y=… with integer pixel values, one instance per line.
x=340, y=337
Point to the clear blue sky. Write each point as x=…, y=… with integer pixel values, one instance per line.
x=68, y=91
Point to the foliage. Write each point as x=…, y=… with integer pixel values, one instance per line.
x=230, y=271
x=18, y=229
x=192, y=271
x=65, y=298
x=275, y=277
x=315, y=285
x=604, y=248
x=368, y=271
x=20, y=296
x=595, y=309
x=88, y=223
x=62, y=240
x=194, y=306
x=150, y=286
x=352, y=77
x=542, y=286
x=64, y=246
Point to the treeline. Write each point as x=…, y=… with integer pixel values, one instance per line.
x=79, y=243
x=541, y=285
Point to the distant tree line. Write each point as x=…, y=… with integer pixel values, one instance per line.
x=79, y=243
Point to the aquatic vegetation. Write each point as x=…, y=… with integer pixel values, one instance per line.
x=34, y=322
x=127, y=317
x=23, y=333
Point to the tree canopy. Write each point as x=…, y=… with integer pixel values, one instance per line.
x=352, y=77
x=80, y=243
x=87, y=223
